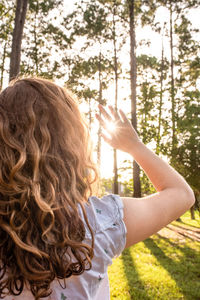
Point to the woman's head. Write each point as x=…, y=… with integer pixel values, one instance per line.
x=45, y=172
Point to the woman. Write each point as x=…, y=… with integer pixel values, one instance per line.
x=56, y=238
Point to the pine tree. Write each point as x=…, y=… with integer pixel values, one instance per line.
x=133, y=74
x=187, y=152
x=115, y=10
x=135, y=8
x=90, y=21
x=6, y=29
x=20, y=15
x=44, y=40
x=162, y=69
x=176, y=9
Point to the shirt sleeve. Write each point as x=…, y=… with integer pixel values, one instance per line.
x=110, y=228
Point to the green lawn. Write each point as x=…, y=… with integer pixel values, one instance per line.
x=159, y=268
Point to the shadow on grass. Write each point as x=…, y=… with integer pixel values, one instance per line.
x=183, y=272
x=186, y=233
x=136, y=287
x=191, y=228
x=189, y=254
x=187, y=251
x=188, y=224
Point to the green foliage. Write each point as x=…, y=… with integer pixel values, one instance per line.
x=89, y=19
x=95, y=20
x=105, y=186
x=36, y=59
x=128, y=188
x=127, y=185
x=188, y=152
x=149, y=97
x=146, y=186
x=43, y=6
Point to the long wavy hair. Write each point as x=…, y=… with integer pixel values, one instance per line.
x=46, y=175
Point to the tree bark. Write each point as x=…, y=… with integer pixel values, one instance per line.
x=90, y=114
x=192, y=213
x=35, y=42
x=3, y=65
x=100, y=129
x=115, y=187
x=133, y=74
x=20, y=15
x=161, y=97
x=172, y=85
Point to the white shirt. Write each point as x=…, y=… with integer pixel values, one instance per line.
x=105, y=216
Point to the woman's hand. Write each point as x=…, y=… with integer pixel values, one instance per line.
x=122, y=135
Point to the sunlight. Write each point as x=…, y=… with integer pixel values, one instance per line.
x=110, y=126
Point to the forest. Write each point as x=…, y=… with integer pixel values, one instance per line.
x=142, y=56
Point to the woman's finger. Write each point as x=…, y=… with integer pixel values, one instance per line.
x=123, y=116
x=104, y=113
x=101, y=121
x=114, y=113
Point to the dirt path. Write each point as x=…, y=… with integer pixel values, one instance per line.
x=180, y=232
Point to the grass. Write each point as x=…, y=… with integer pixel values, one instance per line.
x=158, y=268
x=186, y=220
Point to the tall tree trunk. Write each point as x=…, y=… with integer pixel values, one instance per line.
x=3, y=64
x=15, y=57
x=90, y=114
x=100, y=102
x=35, y=42
x=115, y=187
x=133, y=74
x=145, y=99
x=161, y=97
x=192, y=213
x=172, y=85
x=173, y=147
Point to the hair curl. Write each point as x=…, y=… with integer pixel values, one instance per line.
x=45, y=173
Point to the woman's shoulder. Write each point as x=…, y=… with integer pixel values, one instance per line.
x=107, y=210
x=105, y=216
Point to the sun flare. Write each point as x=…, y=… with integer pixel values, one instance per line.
x=110, y=126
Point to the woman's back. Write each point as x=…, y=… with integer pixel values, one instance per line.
x=105, y=216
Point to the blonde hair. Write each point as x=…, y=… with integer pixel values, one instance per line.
x=46, y=173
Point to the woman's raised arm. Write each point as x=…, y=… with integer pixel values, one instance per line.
x=145, y=216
